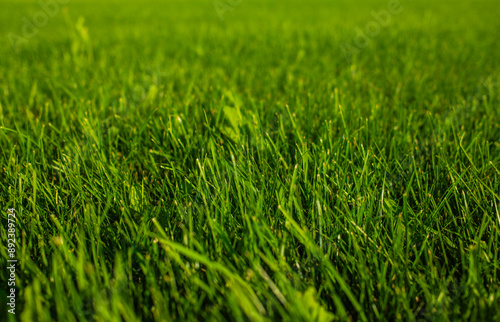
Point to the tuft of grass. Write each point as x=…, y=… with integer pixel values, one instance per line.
x=165, y=164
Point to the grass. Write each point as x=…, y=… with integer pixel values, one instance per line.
x=165, y=164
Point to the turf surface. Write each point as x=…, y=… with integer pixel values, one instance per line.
x=173, y=160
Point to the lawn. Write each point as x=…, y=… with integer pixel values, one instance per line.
x=250, y=160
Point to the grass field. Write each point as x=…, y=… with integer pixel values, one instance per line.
x=175, y=160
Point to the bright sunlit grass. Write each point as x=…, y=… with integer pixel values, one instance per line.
x=168, y=164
